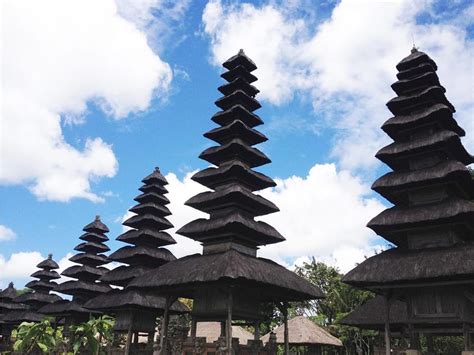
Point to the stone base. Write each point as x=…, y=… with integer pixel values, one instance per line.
x=412, y=352
x=465, y=352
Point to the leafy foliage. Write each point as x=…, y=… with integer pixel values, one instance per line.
x=341, y=299
x=90, y=335
x=33, y=336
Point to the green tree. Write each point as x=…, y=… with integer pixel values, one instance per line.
x=341, y=299
x=92, y=334
x=42, y=336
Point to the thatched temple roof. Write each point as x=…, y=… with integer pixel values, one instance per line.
x=371, y=315
x=212, y=331
x=144, y=253
x=303, y=331
x=230, y=235
x=432, y=222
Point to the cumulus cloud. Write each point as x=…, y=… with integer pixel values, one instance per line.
x=58, y=57
x=323, y=215
x=311, y=217
x=18, y=267
x=344, y=63
x=6, y=233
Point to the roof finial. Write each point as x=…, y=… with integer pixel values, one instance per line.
x=157, y=169
x=50, y=256
x=10, y=285
x=241, y=51
x=414, y=49
x=97, y=218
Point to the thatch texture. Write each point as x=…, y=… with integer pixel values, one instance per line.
x=303, y=331
x=371, y=315
x=395, y=127
x=399, y=266
x=118, y=300
x=273, y=281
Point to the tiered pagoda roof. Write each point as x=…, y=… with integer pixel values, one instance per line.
x=145, y=252
x=8, y=305
x=231, y=235
x=41, y=293
x=432, y=220
x=86, y=273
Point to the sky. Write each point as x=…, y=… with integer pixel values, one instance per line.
x=95, y=94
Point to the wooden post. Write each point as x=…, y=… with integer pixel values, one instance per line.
x=229, y=322
x=129, y=335
x=257, y=331
x=193, y=329
x=164, y=326
x=465, y=330
x=387, y=325
x=429, y=341
x=285, y=322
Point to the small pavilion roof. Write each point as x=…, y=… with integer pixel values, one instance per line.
x=303, y=331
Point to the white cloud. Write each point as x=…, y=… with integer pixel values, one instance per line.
x=58, y=57
x=345, y=63
x=6, y=233
x=18, y=267
x=322, y=214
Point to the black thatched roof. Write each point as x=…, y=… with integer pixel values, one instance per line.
x=231, y=267
x=48, y=264
x=122, y=300
x=441, y=113
x=433, y=217
x=371, y=315
x=88, y=271
x=394, y=155
x=37, y=299
x=146, y=255
x=404, y=266
x=122, y=275
x=395, y=185
x=395, y=223
x=96, y=227
x=17, y=317
x=9, y=293
x=64, y=308
x=143, y=254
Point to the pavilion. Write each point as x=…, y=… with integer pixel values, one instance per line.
x=304, y=332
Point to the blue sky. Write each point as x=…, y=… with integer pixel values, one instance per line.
x=137, y=80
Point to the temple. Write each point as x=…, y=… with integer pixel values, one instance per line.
x=86, y=273
x=136, y=310
x=40, y=296
x=431, y=224
x=228, y=281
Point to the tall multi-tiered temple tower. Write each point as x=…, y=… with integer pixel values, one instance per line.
x=432, y=220
x=228, y=281
x=136, y=311
x=86, y=275
x=40, y=296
